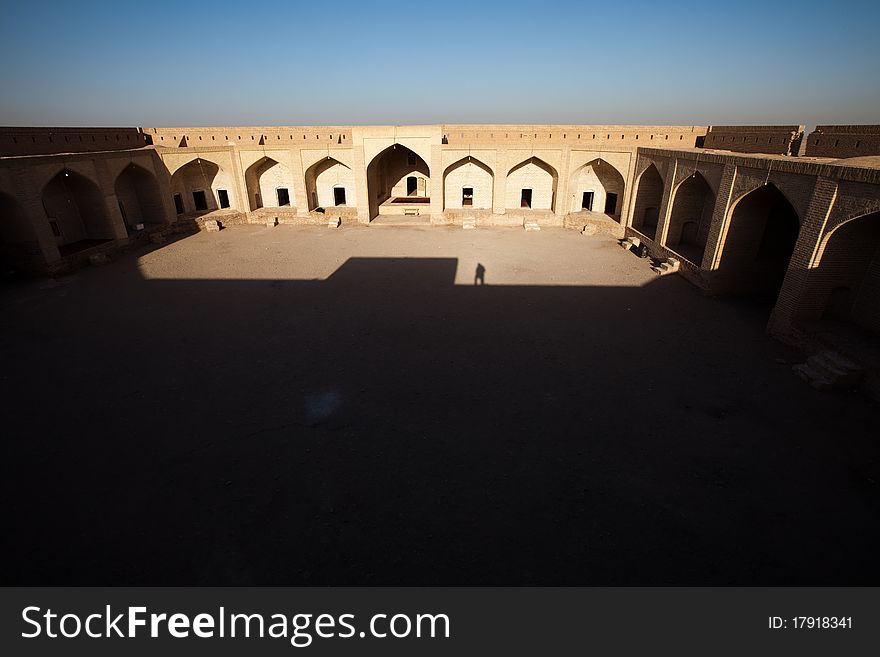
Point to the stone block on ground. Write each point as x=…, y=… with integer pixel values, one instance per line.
x=98, y=259
x=212, y=226
x=469, y=223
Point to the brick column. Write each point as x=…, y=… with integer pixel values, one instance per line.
x=714, y=243
x=242, y=202
x=25, y=185
x=663, y=211
x=795, y=284
x=359, y=169
x=435, y=168
x=300, y=193
x=163, y=179
x=106, y=182
x=499, y=182
x=563, y=203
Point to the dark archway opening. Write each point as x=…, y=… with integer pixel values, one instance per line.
x=139, y=197
x=690, y=218
x=846, y=283
x=76, y=212
x=649, y=194
x=761, y=237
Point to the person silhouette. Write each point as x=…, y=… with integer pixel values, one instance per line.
x=480, y=275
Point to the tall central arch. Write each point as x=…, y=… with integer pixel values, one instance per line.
x=397, y=179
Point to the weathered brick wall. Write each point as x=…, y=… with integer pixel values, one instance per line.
x=45, y=141
x=241, y=136
x=771, y=139
x=593, y=136
x=844, y=141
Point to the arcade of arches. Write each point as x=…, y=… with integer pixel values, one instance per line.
x=740, y=224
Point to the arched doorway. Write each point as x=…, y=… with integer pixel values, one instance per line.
x=330, y=183
x=201, y=186
x=597, y=187
x=269, y=184
x=846, y=281
x=398, y=182
x=19, y=249
x=468, y=184
x=690, y=218
x=139, y=197
x=76, y=212
x=531, y=185
x=649, y=195
x=761, y=234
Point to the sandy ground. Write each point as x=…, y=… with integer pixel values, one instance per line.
x=300, y=405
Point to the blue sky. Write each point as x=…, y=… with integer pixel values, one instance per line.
x=270, y=62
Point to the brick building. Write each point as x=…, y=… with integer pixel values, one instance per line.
x=760, y=211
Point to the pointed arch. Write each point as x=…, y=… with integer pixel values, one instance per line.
x=198, y=182
x=844, y=283
x=76, y=212
x=468, y=173
x=690, y=217
x=325, y=179
x=761, y=232
x=397, y=172
x=649, y=196
x=139, y=197
x=537, y=178
x=269, y=184
x=597, y=186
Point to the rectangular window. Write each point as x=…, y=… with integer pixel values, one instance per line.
x=587, y=201
x=224, y=198
x=339, y=195
x=283, y=196
x=178, y=203
x=200, y=201
x=411, y=159
x=611, y=203
x=525, y=199
x=467, y=196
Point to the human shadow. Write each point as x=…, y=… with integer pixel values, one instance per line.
x=480, y=275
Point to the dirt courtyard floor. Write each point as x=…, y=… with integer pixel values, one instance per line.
x=308, y=406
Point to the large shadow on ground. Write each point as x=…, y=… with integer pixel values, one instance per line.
x=385, y=426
